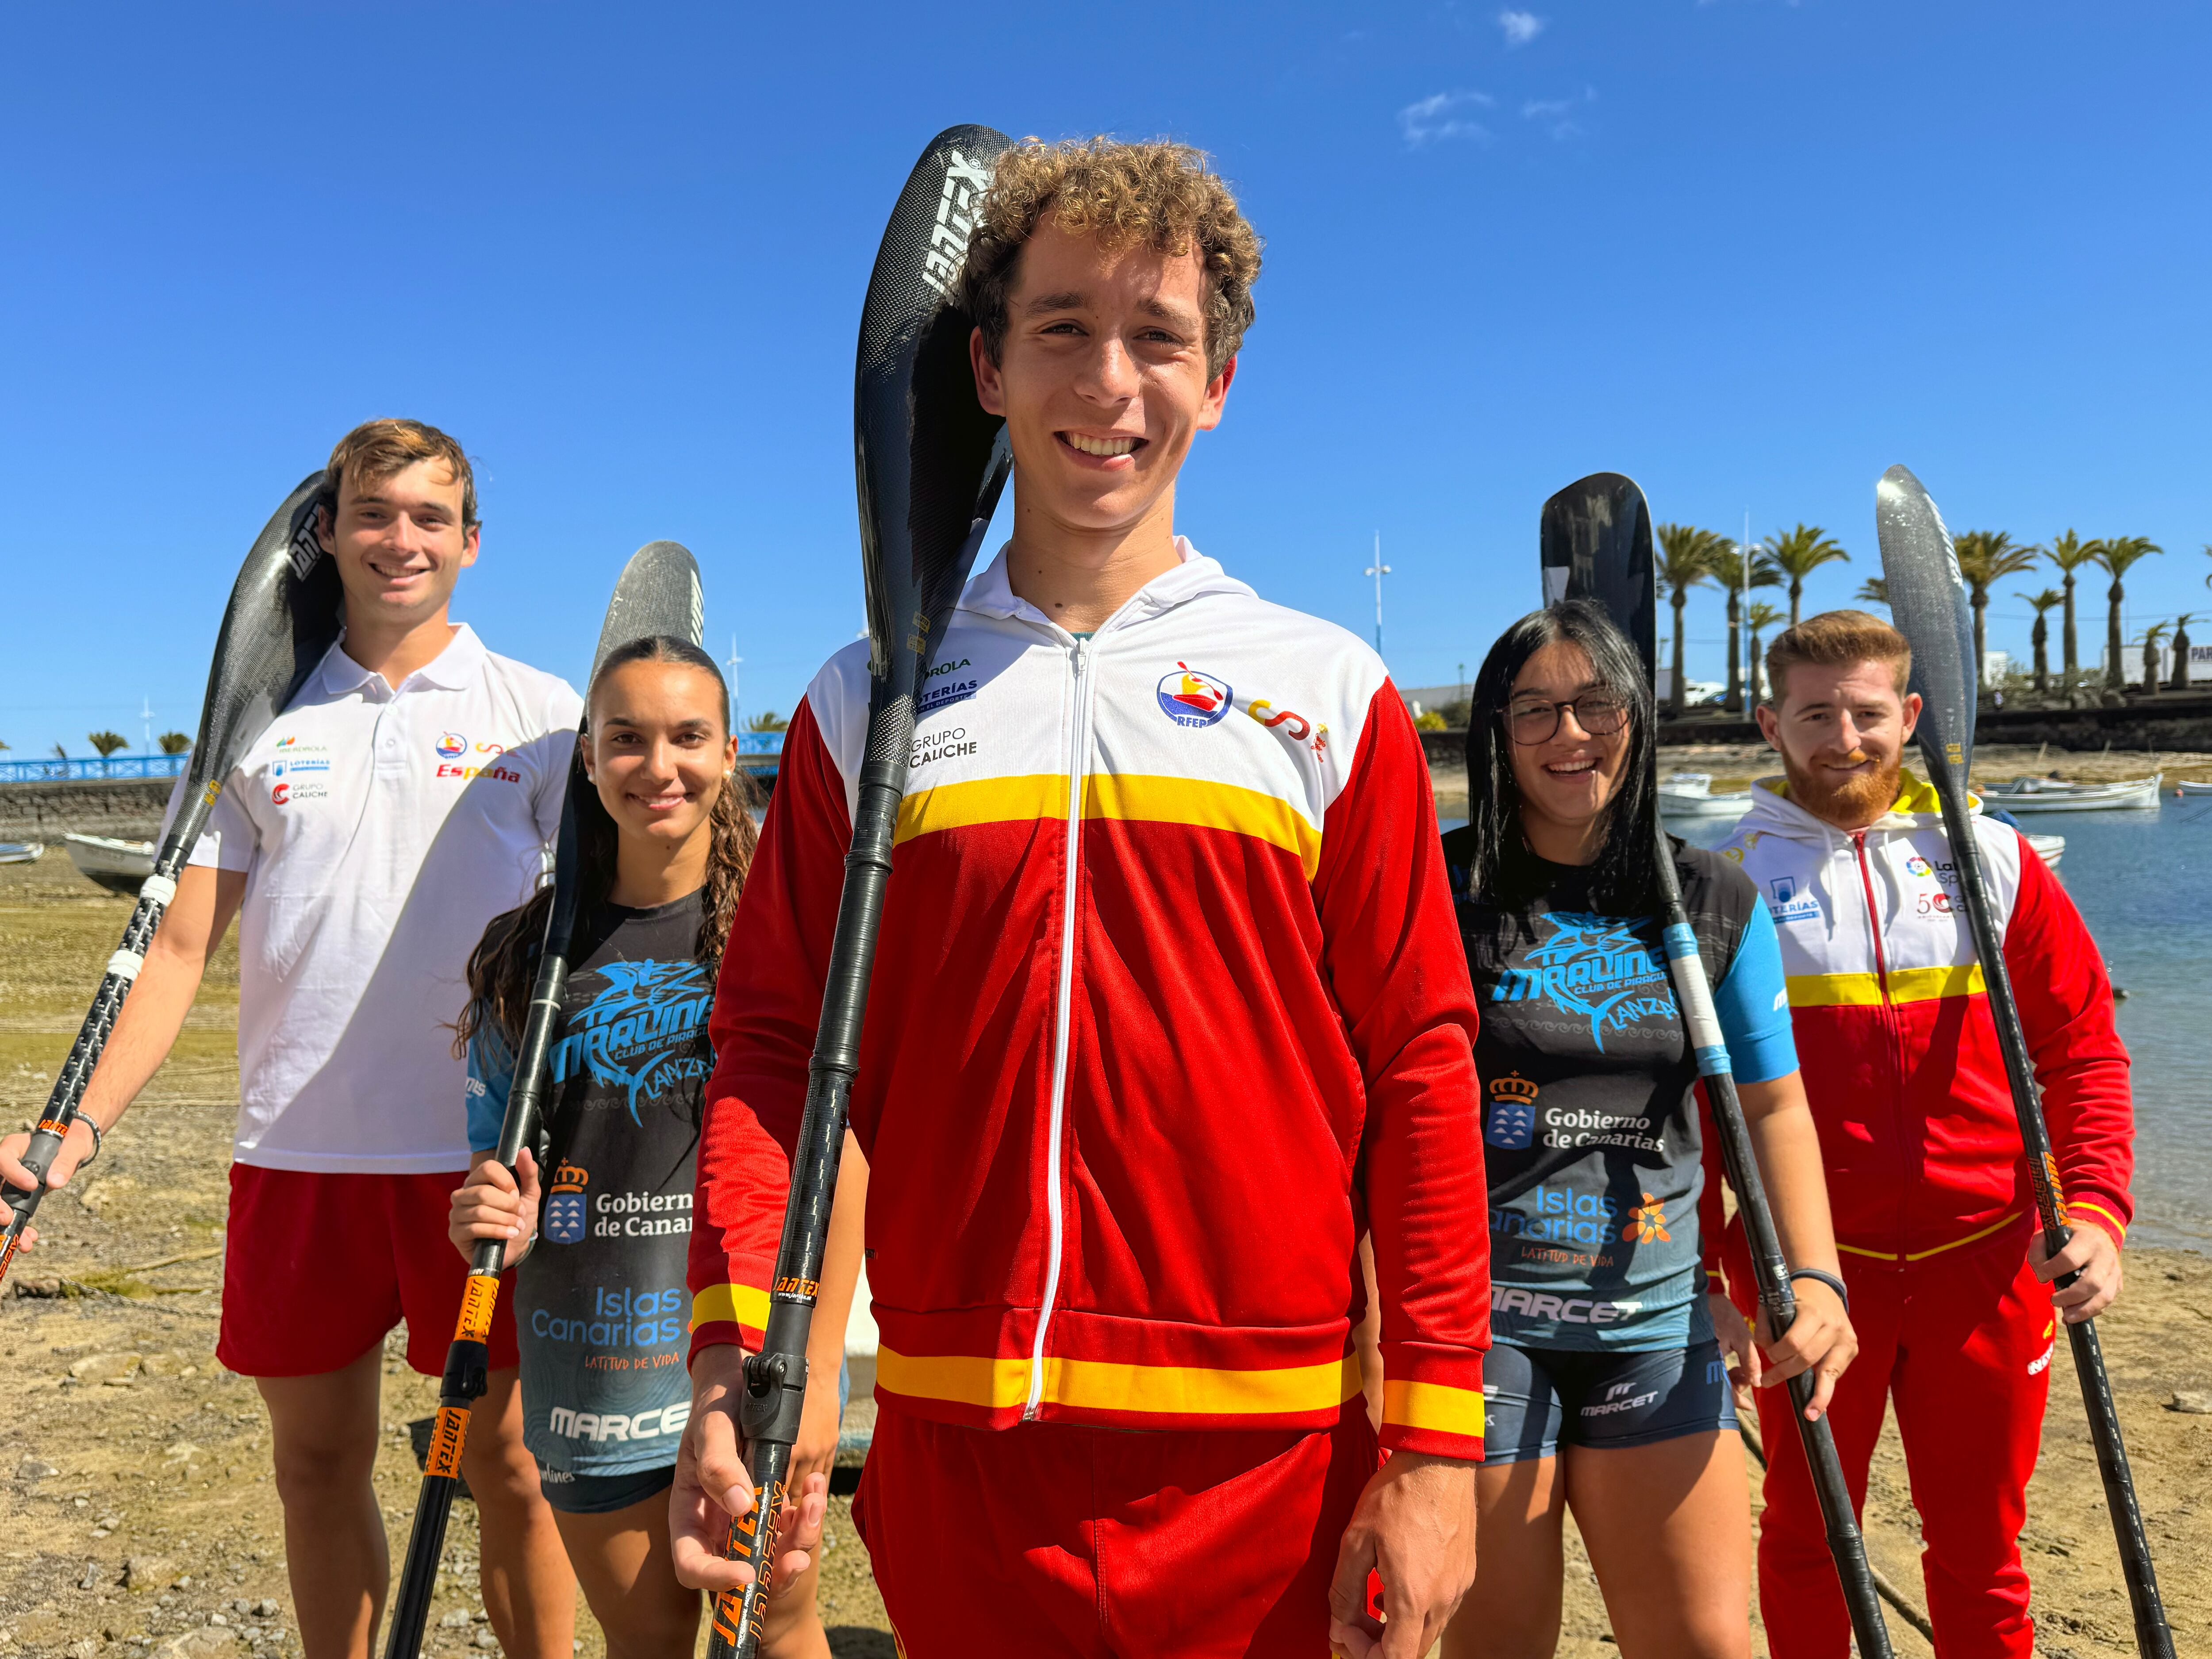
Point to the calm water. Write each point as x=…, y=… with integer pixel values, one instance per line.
x=2144, y=883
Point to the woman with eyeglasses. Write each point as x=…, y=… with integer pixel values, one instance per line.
x=1608, y=1385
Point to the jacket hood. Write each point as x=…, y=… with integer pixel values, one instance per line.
x=1918, y=806
x=991, y=594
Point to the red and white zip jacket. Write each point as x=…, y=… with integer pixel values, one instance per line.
x=1894, y=1035
x=1168, y=1005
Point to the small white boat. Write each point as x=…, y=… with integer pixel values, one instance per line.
x=2048, y=848
x=2189, y=787
x=1689, y=795
x=21, y=852
x=120, y=867
x=2055, y=795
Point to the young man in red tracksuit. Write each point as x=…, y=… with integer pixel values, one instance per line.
x=1169, y=1007
x=1949, y=1283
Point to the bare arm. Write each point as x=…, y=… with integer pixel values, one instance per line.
x=1787, y=1149
x=146, y=1030
x=817, y=1449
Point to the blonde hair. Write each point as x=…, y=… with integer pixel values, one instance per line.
x=1835, y=639
x=1161, y=196
x=377, y=449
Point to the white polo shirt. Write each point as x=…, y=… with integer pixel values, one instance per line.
x=379, y=830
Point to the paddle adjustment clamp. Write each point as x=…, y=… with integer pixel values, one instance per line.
x=775, y=1398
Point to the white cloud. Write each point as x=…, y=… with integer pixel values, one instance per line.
x=1520, y=26
x=1441, y=116
x=1537, y=108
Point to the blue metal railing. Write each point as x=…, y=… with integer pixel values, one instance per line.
x=752, y=744
x=58, y=770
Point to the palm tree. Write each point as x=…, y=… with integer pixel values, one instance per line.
x=2181, y=650
x=2114, y=557
x=2040, y=639
x=1798, y=554
x=174, y=743
x=1691, y=555
x=2070, y=553
x=2154, y=636
x=105, y=742
x=1985, y=557
x=1875, y=590
x=1738, y=574
x=1761, y=616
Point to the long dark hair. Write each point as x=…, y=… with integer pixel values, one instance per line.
x=1625, y=879
x=503, y=967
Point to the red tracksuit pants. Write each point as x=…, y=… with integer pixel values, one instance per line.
x=1963, y=1342
x=1054, y=1539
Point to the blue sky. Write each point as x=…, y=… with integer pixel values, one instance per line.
x=1751, y=252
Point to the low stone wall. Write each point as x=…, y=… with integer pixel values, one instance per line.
x=127, y=808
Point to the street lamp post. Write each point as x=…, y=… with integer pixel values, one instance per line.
x=1378, y=570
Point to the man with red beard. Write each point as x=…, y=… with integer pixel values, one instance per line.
x=1949, y=1283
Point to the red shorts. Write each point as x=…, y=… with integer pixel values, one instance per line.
x=317, y=1268
x=1098, y=1542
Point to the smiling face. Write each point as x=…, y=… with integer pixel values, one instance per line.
x=1101, y=378
x=1841, y=732
x=1569, y=779
x=399, y=543
x=659, y=750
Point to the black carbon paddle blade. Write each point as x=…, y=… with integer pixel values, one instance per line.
x=1597, y=546
x=657, y=595
x=929, y=462
x=284, y=613
x=1928, y=597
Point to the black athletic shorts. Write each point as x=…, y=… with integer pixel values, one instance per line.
x=601, y=1494
x=1537, y=1400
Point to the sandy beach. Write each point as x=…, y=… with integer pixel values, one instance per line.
x=134, y=1472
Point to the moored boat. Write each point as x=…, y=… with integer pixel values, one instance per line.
x=2191, y=786
x=1689, y=795
x=120, y=867
x=2056, y=795
x=2048, y=848
x=21, y=852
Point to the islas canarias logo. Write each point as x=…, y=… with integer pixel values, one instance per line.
x=1189, y=697
x=565, y=1203
x=1512, y=1122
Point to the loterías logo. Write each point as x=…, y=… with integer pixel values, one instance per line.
x=1191, y=698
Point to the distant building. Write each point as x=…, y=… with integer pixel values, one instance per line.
x=1995, y=665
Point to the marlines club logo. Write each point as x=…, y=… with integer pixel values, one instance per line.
x=1189, y=697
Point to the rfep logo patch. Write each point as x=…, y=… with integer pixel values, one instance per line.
x=1190, y=697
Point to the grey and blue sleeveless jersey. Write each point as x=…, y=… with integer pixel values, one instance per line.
x=1590, y=1124
x=600, y=1305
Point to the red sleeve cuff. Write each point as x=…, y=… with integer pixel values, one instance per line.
x=2096, y=1210
x=1432, y=1400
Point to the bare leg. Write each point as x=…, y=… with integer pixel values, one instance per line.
x=529, y=1592
x=323, y=1431
x=1513, y=1612
x=1668, y=1527
x=623, y=1561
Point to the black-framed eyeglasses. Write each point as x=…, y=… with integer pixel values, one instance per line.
x=1599, y=714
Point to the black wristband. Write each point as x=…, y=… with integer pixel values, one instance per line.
x=1826, y=1277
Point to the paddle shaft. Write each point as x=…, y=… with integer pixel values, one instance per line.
x=770, y=1410
x=1770, y=1268
x=123, y=968
x=468, y=1357
x=2154, y=1639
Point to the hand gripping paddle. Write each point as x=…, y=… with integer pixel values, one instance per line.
x=657, y=594
x=930, y=466
x=284, y=616
x=1929, y=599
x=1597, y=546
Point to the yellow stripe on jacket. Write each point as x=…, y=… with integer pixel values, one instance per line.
x=733, y=1304
x=1140, y=798
x=1905, y=985
x=1003, y=1382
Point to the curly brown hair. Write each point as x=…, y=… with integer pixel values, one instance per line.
x=1163, y=195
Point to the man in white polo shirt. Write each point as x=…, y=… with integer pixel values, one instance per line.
x=405, y=797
